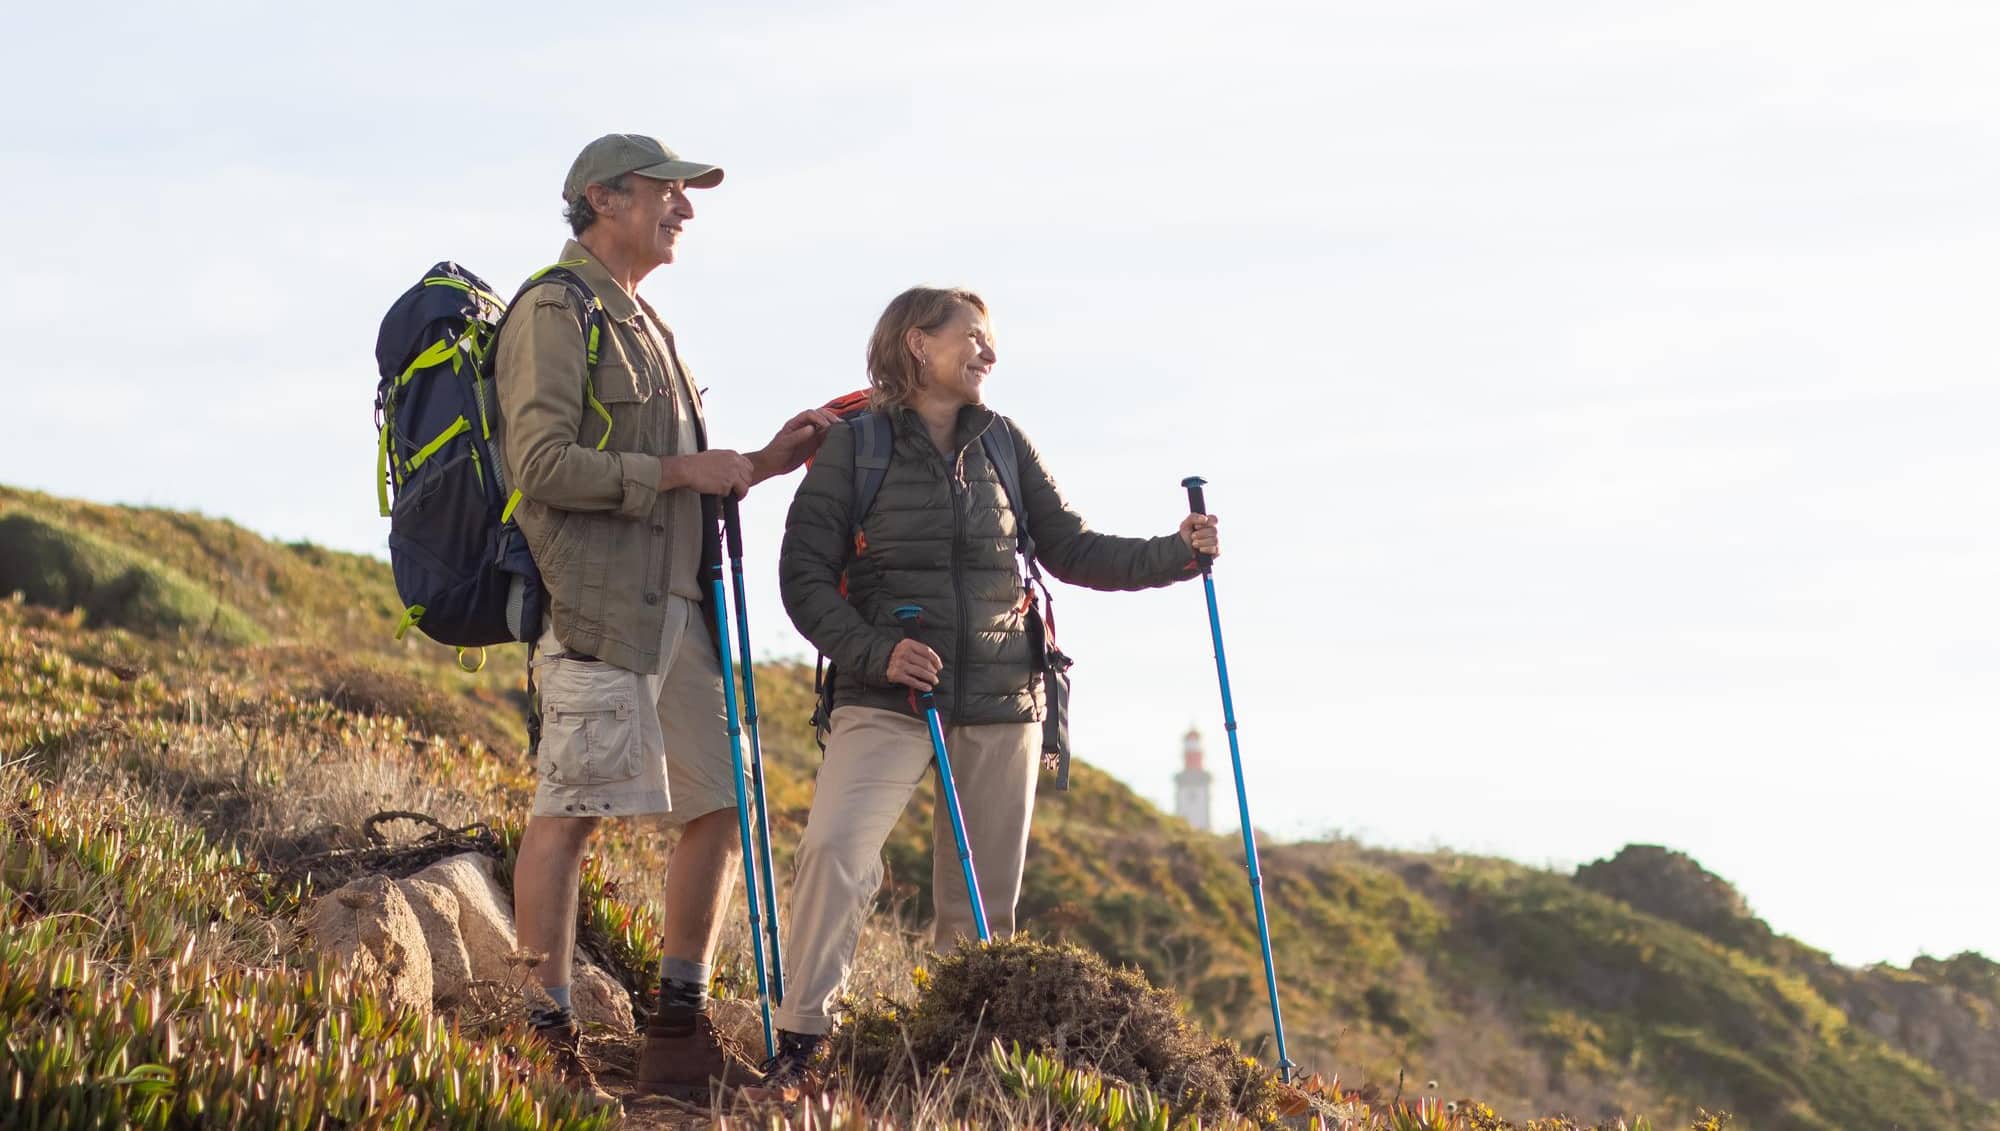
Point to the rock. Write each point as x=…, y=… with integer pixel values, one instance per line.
x=485, y=915
x=369, y=926
x=428, y=938
x=1940, y=1010
x=436, y=907
x=599, y=999
x=488, y=939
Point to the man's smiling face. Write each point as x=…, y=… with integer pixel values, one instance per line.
x=647, y=218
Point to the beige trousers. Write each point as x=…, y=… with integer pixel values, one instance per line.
x=874, y=760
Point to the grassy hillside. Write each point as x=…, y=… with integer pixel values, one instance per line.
x=196, y=721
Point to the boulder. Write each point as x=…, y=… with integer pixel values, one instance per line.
x=485, y=915
x=599, y=999
x=436, y=907
x=486, y=934
x=369, y=926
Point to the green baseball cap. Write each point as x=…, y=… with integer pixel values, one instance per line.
x=614, y=155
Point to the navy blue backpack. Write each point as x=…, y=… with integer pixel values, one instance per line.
x=461, y=565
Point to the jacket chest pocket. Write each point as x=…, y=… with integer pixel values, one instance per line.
x=617, y=413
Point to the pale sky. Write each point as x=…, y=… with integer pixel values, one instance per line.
x=1599, y=398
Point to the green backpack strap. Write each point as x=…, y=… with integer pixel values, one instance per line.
x=593, y=330
x=593, y=339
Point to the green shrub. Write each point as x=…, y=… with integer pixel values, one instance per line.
x=63, y=568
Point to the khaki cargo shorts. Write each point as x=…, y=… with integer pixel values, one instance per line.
x=613, y=739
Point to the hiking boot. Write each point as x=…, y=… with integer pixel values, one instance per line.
x=684, y=1057
x=559, y=1034
x=789, y=1075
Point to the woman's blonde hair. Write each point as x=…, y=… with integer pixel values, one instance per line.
x=893, y=375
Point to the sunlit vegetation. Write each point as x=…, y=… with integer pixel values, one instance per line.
x=196, y=722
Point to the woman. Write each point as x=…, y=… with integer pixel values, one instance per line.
x=940, y=534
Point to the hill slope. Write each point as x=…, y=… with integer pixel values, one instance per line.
x=253, y=689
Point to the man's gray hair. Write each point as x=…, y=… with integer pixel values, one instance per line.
x=580, y=214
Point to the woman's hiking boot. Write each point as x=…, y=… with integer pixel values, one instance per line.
x=789, y=1075
x=558, y=1032
x=685, y=1057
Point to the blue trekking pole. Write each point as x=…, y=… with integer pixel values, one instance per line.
x=732, y=526
x=711, y=570
x=912, y=616
x=1196, y=505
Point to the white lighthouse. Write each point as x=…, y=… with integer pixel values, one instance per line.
x=1191, y=784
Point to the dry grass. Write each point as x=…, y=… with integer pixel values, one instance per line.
x=1061, y=1001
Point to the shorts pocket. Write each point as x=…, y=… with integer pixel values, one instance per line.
x=589, y=733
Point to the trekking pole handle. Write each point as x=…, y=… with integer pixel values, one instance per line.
x=1197, y=504
x=1194, y=484
x=732, y=526
x=711, y=540
x=912, y=616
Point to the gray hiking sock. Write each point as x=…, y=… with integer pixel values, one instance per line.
x=683, y=984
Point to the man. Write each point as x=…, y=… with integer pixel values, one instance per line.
x=611, y=461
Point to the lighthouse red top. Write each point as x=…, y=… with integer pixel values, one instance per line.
x=1191, y=750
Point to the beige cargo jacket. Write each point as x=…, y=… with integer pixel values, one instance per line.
x=585, y=456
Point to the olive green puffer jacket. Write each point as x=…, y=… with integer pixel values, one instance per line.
x=940, y=535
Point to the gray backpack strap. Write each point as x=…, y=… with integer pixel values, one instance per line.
x=998, y=441
x=874, y=440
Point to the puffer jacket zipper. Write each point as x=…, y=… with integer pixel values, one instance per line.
x=955, y=480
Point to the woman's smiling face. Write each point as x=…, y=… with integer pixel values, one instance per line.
x=957, y=358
